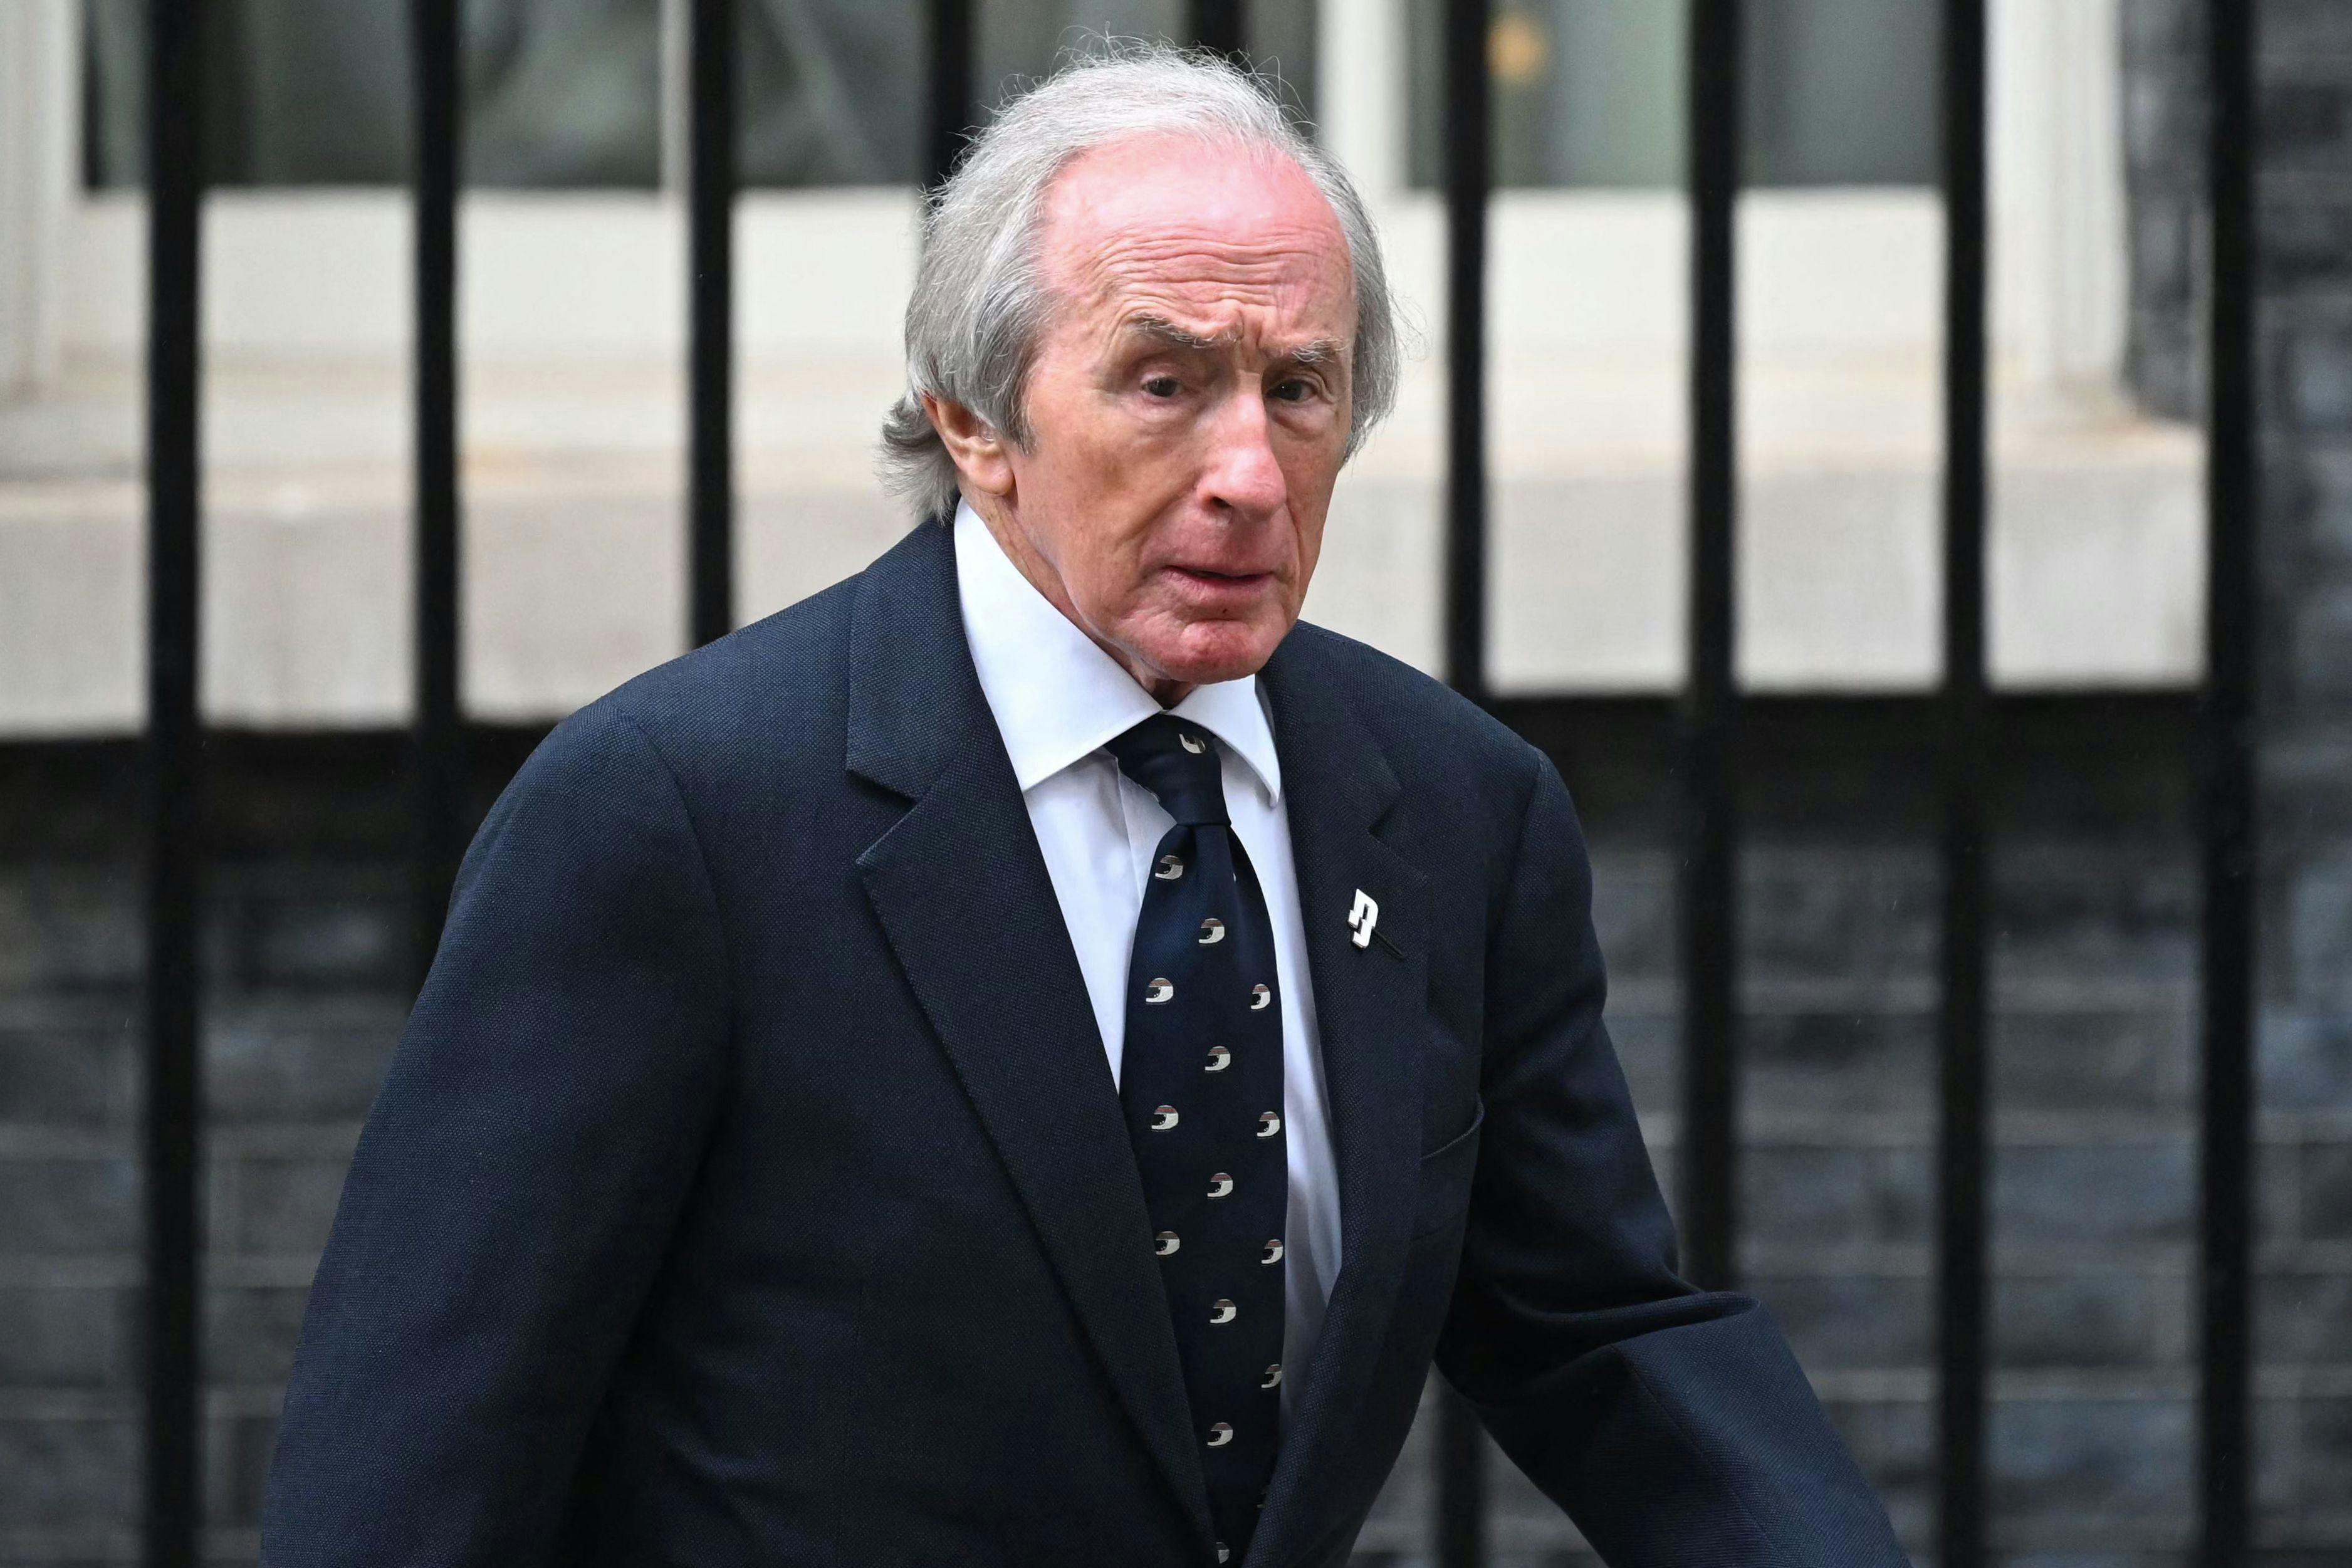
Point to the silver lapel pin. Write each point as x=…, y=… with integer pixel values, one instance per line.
x=1363, y=918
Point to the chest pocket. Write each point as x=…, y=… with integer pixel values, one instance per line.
x=1445, y=1173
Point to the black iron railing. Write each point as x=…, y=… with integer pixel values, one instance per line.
x=1961, y=1359
x=2226, y=1216
x=1711, y=714
x=175, y=502
x=438, y=764
x=711, y=350
x=1461, y=1446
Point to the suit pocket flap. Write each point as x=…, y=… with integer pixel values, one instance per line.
x=1445, y=1173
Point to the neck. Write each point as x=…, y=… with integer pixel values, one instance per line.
x=1040, y=573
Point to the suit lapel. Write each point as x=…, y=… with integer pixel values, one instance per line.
x=964, y=899
x=1372, y=1006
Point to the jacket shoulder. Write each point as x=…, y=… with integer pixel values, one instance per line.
x=1428, y=730
x=774, y=686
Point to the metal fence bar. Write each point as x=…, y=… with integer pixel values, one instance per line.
x=438, y=733
x=951, y=95
x=1461, y=1464
x=1219, y=25
x=175, y=99
x=1960, y=1251
x=1469, y=177
x=1708, y=1151
x=710, y=186
x=2231, y=519
x=1461, y=1453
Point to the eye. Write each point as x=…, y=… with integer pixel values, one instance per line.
x=1294, y=390
x=1163, y=386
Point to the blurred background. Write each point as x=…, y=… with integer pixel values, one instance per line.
x=572, y=276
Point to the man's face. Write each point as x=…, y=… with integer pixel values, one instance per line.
x=1188, y=407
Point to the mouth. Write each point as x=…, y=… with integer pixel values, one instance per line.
x=1218, y=584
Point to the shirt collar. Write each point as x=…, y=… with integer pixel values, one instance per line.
x=1058, y=696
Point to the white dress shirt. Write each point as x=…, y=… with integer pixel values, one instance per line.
x=1057, y=699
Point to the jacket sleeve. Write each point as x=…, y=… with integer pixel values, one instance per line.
x=518, y=1179
x=1673, y=1426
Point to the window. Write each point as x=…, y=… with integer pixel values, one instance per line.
x=558, y=93
x=1589, y=93
x=568, y=94
x=573, y=256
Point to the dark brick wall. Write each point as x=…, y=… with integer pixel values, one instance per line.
x=306, y=970
x=2094, y=1186
x=307, y=966
x=2164, y=111
x=2305, y=324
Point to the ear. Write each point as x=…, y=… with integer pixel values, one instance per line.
x=979, y=451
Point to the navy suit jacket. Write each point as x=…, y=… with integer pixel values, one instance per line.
x=750, y=1186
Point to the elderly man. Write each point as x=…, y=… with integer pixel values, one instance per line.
x=1025, y=1057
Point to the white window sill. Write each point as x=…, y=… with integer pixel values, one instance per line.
x=574, y=577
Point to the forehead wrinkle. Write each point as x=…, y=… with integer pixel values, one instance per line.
x=1313, y=352
x=1203, y=280
x=1275, y=252
x=1176, y=273
x=1183, y=231
x=1182, y=301
x=1275, y=257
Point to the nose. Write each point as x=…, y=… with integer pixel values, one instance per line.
x=1242, y=475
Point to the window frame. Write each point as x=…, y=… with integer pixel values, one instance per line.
x=2056, y=157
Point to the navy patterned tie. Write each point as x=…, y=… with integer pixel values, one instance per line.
x=1201, y=1083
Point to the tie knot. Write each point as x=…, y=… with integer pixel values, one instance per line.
x=1177, y=761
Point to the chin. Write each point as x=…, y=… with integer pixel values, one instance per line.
x=1209, y=652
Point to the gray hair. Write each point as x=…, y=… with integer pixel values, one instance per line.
x=979, y=299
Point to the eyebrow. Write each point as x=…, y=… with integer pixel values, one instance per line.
x=1318, y=350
